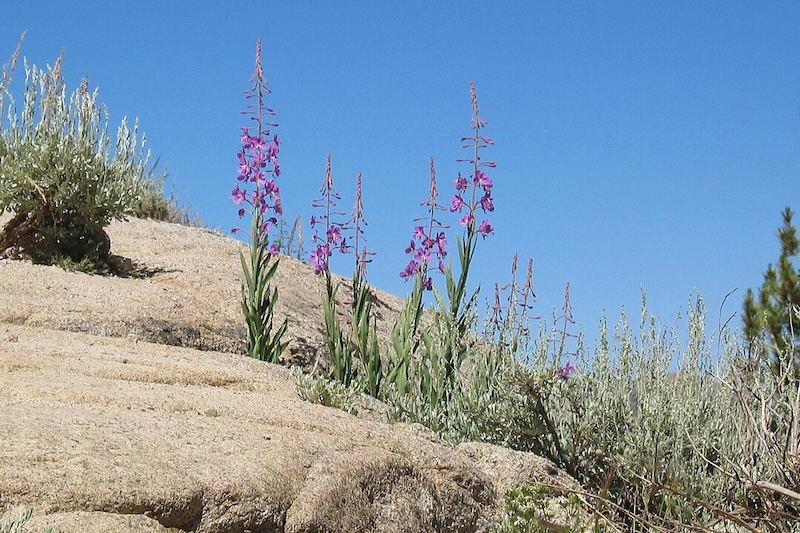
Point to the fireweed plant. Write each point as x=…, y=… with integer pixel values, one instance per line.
x=432, y=356
x=256, y=187
x=360, y=342
x=364, y=333
x=456, y=316
x=338, y=346
x=428, y=243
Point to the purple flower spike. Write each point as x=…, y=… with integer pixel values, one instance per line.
x=346, y=237
x=255, y=184
x=410, y=270
x=427, y=243
x=480, y=183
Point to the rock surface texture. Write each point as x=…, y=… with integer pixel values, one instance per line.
x=107, y=426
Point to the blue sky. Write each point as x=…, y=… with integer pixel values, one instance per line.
x=638, y=144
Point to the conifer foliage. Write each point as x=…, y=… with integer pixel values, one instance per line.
x=771, y=317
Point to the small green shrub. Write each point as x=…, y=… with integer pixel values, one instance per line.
x=324, y=391
x=626, y=426
x=60, y=177
x=532, y=509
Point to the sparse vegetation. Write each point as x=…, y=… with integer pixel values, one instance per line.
x=663, y=437
x=17, y=524
x=62, y=180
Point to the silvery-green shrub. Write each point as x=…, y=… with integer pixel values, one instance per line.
x=60, y=174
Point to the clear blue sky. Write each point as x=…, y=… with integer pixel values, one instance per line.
x=638, y=144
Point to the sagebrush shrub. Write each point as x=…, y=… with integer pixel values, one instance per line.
x=60, y=175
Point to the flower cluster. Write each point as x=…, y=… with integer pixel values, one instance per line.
x=255, y=156
x=319, y=257
x=259, y=165
x=336, y=233
x=480, y=188
x=428, y=243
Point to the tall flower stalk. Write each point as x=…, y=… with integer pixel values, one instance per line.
x=365, y=335
x=257, y=192
x=472, y=193
x=509, y=325
x=338, y=344
x=455, y=317
x=428, y=244
x=361, y=341
x=447, y=341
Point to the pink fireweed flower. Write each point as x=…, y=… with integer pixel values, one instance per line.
x=441, y=244
x=482, y=179
x=461, y=183
x=457, y=203
x=467, y=220
x=486, y=202
x=259, y=178
x=259, y=160
x=566, y=371
x=427, y=242
x=274, y=147
x=271, y=188
x=410, y=270
x=485, y=228
x=334, y=234
x=423, y=255
x=257, y=144
x=258, y=199
x=237, y=195
x=244, y=166
x=319, y=258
